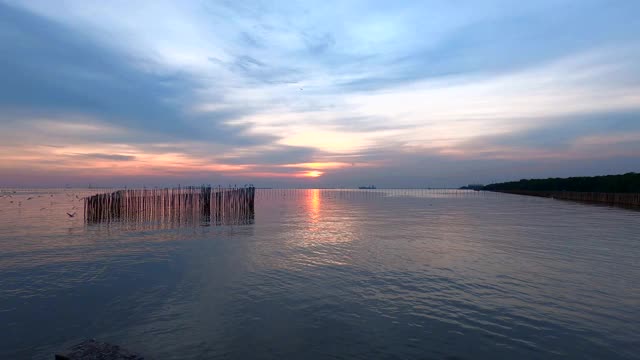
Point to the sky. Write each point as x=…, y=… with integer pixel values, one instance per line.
x=316, y=93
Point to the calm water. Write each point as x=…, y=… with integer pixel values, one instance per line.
x=328, y=274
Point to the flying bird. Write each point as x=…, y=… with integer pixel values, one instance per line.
x=72, y=215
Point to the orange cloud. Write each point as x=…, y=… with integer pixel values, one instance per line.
x=311, y=174
x=318, y=165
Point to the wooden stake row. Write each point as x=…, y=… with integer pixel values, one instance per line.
x=173, y=205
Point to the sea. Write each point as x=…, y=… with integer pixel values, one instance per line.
x=326, y=274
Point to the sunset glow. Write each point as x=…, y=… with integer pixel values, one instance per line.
x=312, y=174
x=295, y=92
x=318, y=165
x=239, y=179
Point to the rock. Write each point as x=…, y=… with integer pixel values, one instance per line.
x=95, y=350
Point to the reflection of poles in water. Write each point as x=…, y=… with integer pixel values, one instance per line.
x=173, y=205
x=233, y=205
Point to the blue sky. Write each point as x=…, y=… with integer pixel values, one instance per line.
x=331, y=93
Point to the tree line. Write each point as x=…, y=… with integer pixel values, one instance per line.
x=625, y=183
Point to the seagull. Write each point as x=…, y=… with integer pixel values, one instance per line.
x=72, y=215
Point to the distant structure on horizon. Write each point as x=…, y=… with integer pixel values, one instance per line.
x=369, y=187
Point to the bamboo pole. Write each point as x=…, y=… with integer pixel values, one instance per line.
x=172, y=205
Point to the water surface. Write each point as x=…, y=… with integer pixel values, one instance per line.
x=327, y=274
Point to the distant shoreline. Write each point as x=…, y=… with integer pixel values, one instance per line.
x=624, y=183
x=618, y=190
x=628, y=200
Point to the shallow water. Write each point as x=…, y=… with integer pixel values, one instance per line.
x=328, y=274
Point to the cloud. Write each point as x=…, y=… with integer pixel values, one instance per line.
x=595, y=137
x=57, y=69
x=404, y=92
x=253, y=70
x=106, y=156
x=272, y=155
x=502, y=44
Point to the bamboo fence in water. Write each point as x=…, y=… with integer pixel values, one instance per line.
x=172, y=205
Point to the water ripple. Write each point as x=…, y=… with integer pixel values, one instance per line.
x=328, y=273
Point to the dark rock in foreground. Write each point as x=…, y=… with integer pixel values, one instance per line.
x=95, y=350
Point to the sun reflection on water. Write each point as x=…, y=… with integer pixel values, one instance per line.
x=313, y=204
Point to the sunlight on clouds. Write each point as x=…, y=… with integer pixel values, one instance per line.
x=319, y=165
x=330, y=141
x=442, y=116
x=441, y=113
x=310, y=174
x=306, y=90
x=458, y=109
